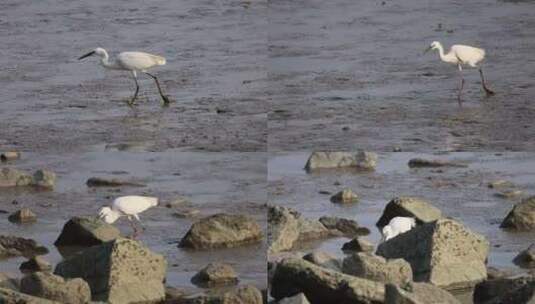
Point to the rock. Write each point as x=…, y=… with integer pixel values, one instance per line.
x=34, y=264
x=10, y=155
x=508, y=194
x=9, y=296
x=10, y=177
x=7, y=282
x=53, y=287
x=323, y=259
x=421, y=210
x=376, y=268
x=495, y=273
x=282, y=228
x=286, y=227
x=110, y=182
x=346, y=226
x=444, y=253
x=215, y=274
x=119, y=271
x=44, y=179
x=322, y=285
x=518, y=289
x=245, y=294
x=330, y=160
x=522, y=216
x=434, y=163
x=358, y=245
x=177, y=202
x=345, y=196
x=299, y=298
x=86, y=231
x=8, y=252
x=222, y=231
x=174, y=295
x=526, y=258
x=24, y=215
x=187, y=213
x=13, y=245
x=418, y=293
x=500, y=184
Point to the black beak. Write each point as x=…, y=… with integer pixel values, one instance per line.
x=87, y=55
x=428, y=49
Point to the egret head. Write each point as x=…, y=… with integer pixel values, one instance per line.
x=433, y=46
x=108, y=215
x=98, y=51
x=387, y=233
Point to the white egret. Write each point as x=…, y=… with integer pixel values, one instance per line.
x=133, y=62
x=397, y=225
x=463, y=55
x=129, y=206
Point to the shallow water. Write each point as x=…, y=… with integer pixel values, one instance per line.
x=351, y=75
x=461, y=193
x=211, y=182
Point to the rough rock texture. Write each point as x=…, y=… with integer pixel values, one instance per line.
x=13, y=246
x=418, y=293
x=119, y=271
x=526, y=258
x=44, y=179
x=53, y=287
x=8, y=252
x=9, y=296
x=299, y=298
x=34, y=264
x=421, y=210
x=500, y=184
x=323, y=259
x=8, y=282
x=10, y=177
x=358, y=245
x=376, y=268
x=245, y=294
x=321, y=285
x=286, y=226
x=444, y=253
x=215, y=274
x=348, y=227
x=434, y=163
x=110, y=182
x=86, y=231
x=345, y=196
x=222, y=231
x=24, y=215
x=522, y=217
x=330, y=160
x=518, y=290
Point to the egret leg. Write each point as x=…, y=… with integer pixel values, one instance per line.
x=131, y=102
x=139, y=222
x=461, y=86
x=487, y=90
x=165, y=99
x=133, y=227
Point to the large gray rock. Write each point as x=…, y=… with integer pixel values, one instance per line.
x=377, y=268
x=348, y=227
x=15, y=246
x=10, y=177
x=323, y=259
x=522, y=217
x=44, y=179
x=34, y=264
x=9, y=296
x=345, y=196
x=8, y=282
x=358, y=245
x=414, y=207
x=331, y=160
x=286, y=227
x=526, y=258
x=444, y=253
x=24, y=215
x=120, y=271
x=245, y=294
x=53, y=287
x=216, y=274
x=322, y=285
x=86, y=231
x=222, y=231
x=418, y=293
x=517, y=289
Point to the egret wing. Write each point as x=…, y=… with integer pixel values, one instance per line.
x=139, y=60
x=134, y=204
x=468, y=54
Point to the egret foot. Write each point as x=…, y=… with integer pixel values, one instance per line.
x=489, y=92
x=166, y=101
